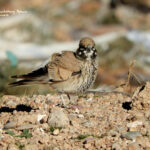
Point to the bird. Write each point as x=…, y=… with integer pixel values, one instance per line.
x=66, y=72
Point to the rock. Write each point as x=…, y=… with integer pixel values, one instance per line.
x=31, y=147
x=90, y=97
x=40, y=117
x=77, y=111
x=56, y=132
x=12, y=147
x=113, y=133
x=10, y=125
x=87, y=146
x=55, y=148
x=116, y=146
x=58, y=119
x=88, y=124
x=133, y=146
x=26, y=126
x=147, y=114
x=134, y=124
x=80, y=116
x=73, y=98
x=131, y=135
x=88, y=140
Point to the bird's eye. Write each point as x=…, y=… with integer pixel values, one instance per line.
x=80, y=53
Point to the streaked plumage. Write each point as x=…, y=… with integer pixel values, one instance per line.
x=68, y=72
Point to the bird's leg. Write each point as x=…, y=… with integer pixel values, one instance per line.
x=64, y=100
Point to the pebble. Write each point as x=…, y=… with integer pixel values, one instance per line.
x=147, y=114
x=10, y=125
x=116, y=146
x=77, y=111
x=12, y=147
x=88, y=140
x=90, y=97
x=134, y=124
x=58, y=119
x=55, y=148
x=40, y=117
x=133, y=146
x=56, y=132
x=131, y=135
x=87, y=146
x=80, y=116
x=26, y=126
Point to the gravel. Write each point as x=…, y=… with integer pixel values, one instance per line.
x=91, y=122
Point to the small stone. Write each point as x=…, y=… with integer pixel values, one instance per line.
x=56, y=132
x=40, y=117
x=131, y=135
x=116, y=146
x=138, y=115
x=11, y=104
x=133, y=146
x=80, y=116
x=31, y=147
x=55, y=148
x=113, y=133
x=73, y=99
x=143, y=131
x=146, y=142
x=87, y=146
x=88, y=140
x=12, y=147
x=58, y=119
x=133, y=129
x=147, y=114
x=77, y=111
x=90, y=97
x=134, y=124
x=88, y=124
x=10, y=125
x=26, y=126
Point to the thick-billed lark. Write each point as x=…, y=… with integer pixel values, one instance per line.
x=66, y=72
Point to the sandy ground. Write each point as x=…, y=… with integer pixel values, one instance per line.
x=101, y=121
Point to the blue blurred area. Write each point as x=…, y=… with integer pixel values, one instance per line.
x=12, y=58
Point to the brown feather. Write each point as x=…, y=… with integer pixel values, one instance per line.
x=61, y=68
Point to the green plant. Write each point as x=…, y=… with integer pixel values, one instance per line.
x=10, y=132
x=25, y=133
x=81, y=137
x=20, y=146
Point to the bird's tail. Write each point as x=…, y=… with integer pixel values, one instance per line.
x=25, y=82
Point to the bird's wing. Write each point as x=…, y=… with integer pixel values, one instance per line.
x=35, y=74
x=63, y=66
x=60, y=68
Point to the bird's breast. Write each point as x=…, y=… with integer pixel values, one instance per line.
x=88, y=75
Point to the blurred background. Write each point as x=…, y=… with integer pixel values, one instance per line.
x=30, y=31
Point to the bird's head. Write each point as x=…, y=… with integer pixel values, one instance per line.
x=86, y=49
